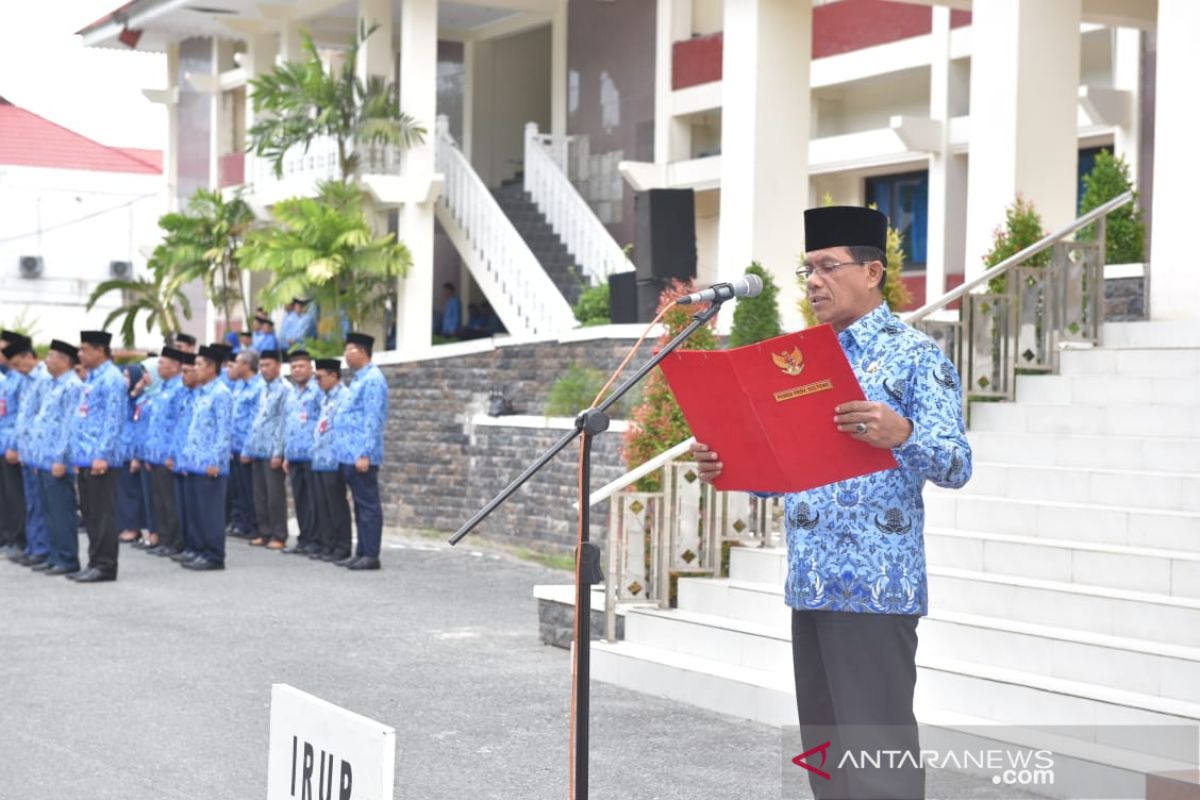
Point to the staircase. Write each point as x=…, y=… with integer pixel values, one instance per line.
x=546, y=245
x=1064, y=579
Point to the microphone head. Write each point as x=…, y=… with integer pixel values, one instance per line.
x=753, y=284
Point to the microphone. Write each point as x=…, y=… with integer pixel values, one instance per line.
x=748, y=286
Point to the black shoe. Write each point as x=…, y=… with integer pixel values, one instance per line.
x=32, y=561
x=93, y=575
x=183, y=555
x=202, y=564
x=364, y=562
x=317, y=554
x=61, y=569
x=41, y=566
x=337, y=556
x=347, y=561
x=163, y=551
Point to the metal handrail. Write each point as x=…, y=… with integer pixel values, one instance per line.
x=1045, y=243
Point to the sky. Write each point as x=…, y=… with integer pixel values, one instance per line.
x=45, y=68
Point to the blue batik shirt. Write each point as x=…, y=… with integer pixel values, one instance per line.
x=137, y=426
x=359, y=419
x=303, y=411
x=96, y=431
x=209, y=429
x=12, y=386
x=178, y=447
x=323, y=458
x=56, y=417
x=31, y=402
x=266, y=432
x=858, y=545
x=166, y=402
x=245, y=408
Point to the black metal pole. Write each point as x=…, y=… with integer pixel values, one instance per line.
x=588, y=424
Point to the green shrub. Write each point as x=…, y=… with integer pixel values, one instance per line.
x=574, y=391
x=756, y=318
x=592, y=307
x=1022, y=228
x=1124, y=231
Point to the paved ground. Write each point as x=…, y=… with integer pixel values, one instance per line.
x=157, y=686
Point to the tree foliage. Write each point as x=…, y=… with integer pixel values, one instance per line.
x=657, y=422
x=592, y=308
x=756, y=318
x=160, y=298
x=1022, y=228
x=299, y=101
x=1124, y=231
x=324, y=248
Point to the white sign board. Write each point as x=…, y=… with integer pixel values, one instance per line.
x=319, y=751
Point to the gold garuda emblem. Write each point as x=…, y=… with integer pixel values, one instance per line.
x=789, y=363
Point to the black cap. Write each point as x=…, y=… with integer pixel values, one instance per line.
x=69, y=350
x=301, y=300
x=246, y=334
x=173, y=354
x=360, y=339
x=225, y=350
x=10, y=336
x=299, y=352
x=214, y=354
x=185, y=338
x=274, y=355
x=263, y=320
x=188, y=359
x=97, y=338
x=330, y=364
x=17, y=346
x=151, y=354
x=844, y=226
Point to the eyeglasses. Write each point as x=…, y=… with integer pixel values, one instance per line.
x=824, y=269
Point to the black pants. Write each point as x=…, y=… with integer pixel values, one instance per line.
x=304, y=498
x=270, y=500
x=241, y=487
x=12, y=505
x=333, y=513
x=166, y=509
x=187, y=526
x=368, y=513
x=206, y=505
x=131, y=506
x=98, y=503
x=855, y=677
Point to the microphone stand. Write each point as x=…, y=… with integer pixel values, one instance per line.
x=588, y=424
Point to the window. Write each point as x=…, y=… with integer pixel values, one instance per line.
x=1087, y=160
x=905, y=200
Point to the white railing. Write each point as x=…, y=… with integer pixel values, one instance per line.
x=548, y=184
x=304, y=167
x=511, y=277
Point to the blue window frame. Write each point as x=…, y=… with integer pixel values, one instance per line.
x=1087, y=160
x=905, y=200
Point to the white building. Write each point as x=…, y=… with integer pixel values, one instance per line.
x=941, y=112
x=75, y=213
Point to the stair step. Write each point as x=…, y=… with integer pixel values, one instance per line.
x=1145, y=362
x=1174, y=454
x=1107, y=390
x=1084, y=522
x=1168, y=491
x=1156, y=334
x=1143, y=420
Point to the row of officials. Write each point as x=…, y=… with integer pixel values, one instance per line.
x=196, y=446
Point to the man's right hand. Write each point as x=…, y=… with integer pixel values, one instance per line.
x=707, y=463
x=12, y=457
x=169, y=463
x=244, y=459
x=58, y=470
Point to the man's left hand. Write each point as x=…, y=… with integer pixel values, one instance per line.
x=884, y=427
x=99, y=466
x=276, y=462
x=362, y=464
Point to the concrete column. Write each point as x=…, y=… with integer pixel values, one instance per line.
x=289, y=42
x=418, y=98
x=947, y=171
x=764, y=143
x=1024, y=104
x=672, y=138
x=558, y=69
x=171, y=151
x=468, y=120
x=375, y=56
x=1173, y=292
x=1127, y=77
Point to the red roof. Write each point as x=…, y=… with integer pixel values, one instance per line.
x=31, y=141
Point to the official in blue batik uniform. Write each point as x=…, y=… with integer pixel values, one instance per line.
x=333, y=511
x=165, y=412
x=96, y=454
x=246, y=398
x=856, y=558
x=264, y=336
x=133, y=510
x=205, y=461
x=37, y=542
x=301, y=410
x=358, y=444
x=21, y=360
x=176, y=456
x=265, y=446
x=51, y=459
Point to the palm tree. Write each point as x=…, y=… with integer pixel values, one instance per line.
x=160, y=298
x=301, y=100
x=202, y=244
x=324, y=248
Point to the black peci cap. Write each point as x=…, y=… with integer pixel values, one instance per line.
x=185, y=338
x=69, y=350
x=173, y=354
x=299, y=352
x=264, y=320
x=214, y=354
x=844, y=226
x=97, y=338
x=360, y=339
x=273, y=355
x=330, y=364
x=16, y=347
x=187, y=359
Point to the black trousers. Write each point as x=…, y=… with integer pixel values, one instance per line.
x=12, y=505
x=98, y=504
x=166, y=509
x=270, y=500
x=206, y=505
x=241, y=490
x=855, y=677
x=333, y=513
x=304, y=498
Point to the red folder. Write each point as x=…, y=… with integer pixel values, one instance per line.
x=767, y=410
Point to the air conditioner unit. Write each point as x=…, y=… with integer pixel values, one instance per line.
x=120, y=269
x=31, y=266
